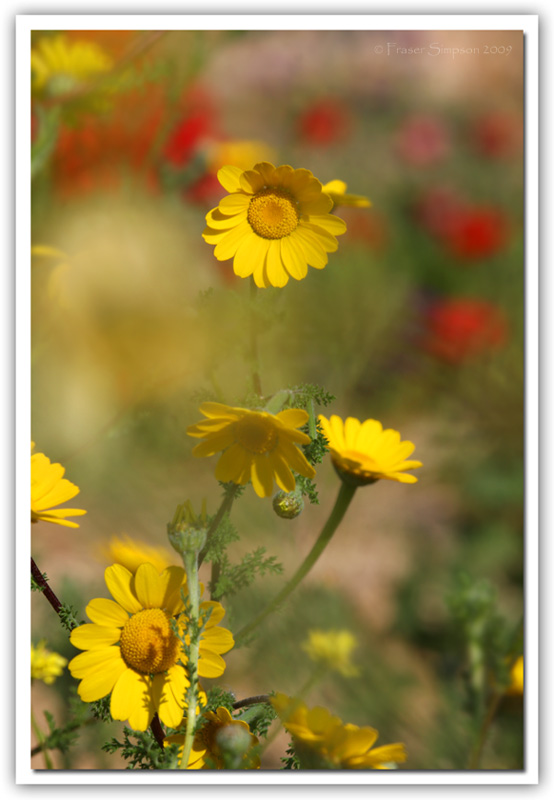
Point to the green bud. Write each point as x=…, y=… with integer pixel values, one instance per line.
x=233, y=742
x=288, y=505
x=187, y=531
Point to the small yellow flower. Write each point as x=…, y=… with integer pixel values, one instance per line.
x=321, y=739
x=133, y=652
x=131, y=553
x=45, y=665
x=362, y=452
x=516, y=678
x=337, y=192
x=273, y=223
x=333, y=649
x=48, y=489
x=237, y=153
x=206, y=750
x=258, y=446
x=59, y=66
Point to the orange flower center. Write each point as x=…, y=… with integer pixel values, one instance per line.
x=273, y=213
x=256, y=434
x=147, y=642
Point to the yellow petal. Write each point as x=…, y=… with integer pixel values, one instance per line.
x=262, y=476
x=293, y=417
x=132, y=700
x=106, y=612
x=234, y=203
x=230, y=243
x=119, y=580
x=232, y=463
x=220, y=222
x=92, y=637
x=229, y=178
x=148, y=587
x=276, y=273
x=172, y=580
x=95, y=661
x=101, y=682
x=293, y=258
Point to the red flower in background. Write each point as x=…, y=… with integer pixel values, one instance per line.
x=324, y=123
x=439, y=210
x=197, y=124
x=460, y=329
x=478, y=232
x=498, y=134
x=422, y=140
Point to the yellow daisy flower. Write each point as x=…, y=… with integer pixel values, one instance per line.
x=59, y=65
x=337, y=192
x=206, y=750
x=317, y=733
x=362, y=452
x=257, y=446
x=132, y=651
x=45, y=665
x=48, y=489
x=131, y=553
x=273, y=223
x=332, y=649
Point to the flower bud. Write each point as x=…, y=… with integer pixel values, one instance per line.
x=187, y=532
x=288, y=505
x=233, y=742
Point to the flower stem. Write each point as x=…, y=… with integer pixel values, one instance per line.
x=40, y=738
x=345, y=495
x=46, y=590
x=224, y=508
x=190, y=561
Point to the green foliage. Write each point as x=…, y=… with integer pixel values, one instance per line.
x=303, y=393
x=35, y=586
x=259, y=717
x=68, y=617
x=101, y=709
x=234, y=577
x=43, y=146
x=142, y=751
x=291, y=761
x=218, y=697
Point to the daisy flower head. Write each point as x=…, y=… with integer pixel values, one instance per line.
x=257, y=446
x=221, y=734
x=321, y=739
x=48, y=489
x=362, y=452
x=59, y=65
x=131, y=553
x=274, y=222
x=132, y=650
x=332, y=649
x=46, y=665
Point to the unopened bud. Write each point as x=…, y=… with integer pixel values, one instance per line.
x=233, y=742
x=187, y=532
x=288, y=505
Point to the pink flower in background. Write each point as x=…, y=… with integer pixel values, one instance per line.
x=439, y=209
x=422, y=140
x=458, y=329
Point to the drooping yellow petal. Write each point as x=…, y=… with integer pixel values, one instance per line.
x=119, y=582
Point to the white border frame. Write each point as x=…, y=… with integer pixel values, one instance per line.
x=529, y=25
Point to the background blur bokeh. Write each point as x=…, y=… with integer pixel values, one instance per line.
x=416, y=321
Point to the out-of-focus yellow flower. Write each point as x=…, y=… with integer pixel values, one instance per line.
x=337, y=192
x=131, y=553
x=362, y=452
x=59, y=66
x=258, y=446
x=215, y=736
x=322, y=740
x=333, y=649
x=132, y=651
x=237, y=153
x=59, y=270
x=48, y=489
x=45, y=665
x=516, y=678
x=273, y=223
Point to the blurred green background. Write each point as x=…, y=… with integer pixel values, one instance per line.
x=416, y=321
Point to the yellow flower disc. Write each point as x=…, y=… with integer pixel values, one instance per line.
x=273, y=214
x=147, y=642
x=256, y=434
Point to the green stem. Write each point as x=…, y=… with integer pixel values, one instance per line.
x=40, y=737
x=475, y=758
x=191, y=566
x=345, y=495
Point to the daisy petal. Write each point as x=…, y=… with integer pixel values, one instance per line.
x=229, y=178
x=118, y=580
x=106, y=612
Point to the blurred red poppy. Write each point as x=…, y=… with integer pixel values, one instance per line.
x=324, y=123
x=498, y=134
x=477, y=232
x=458, y=329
